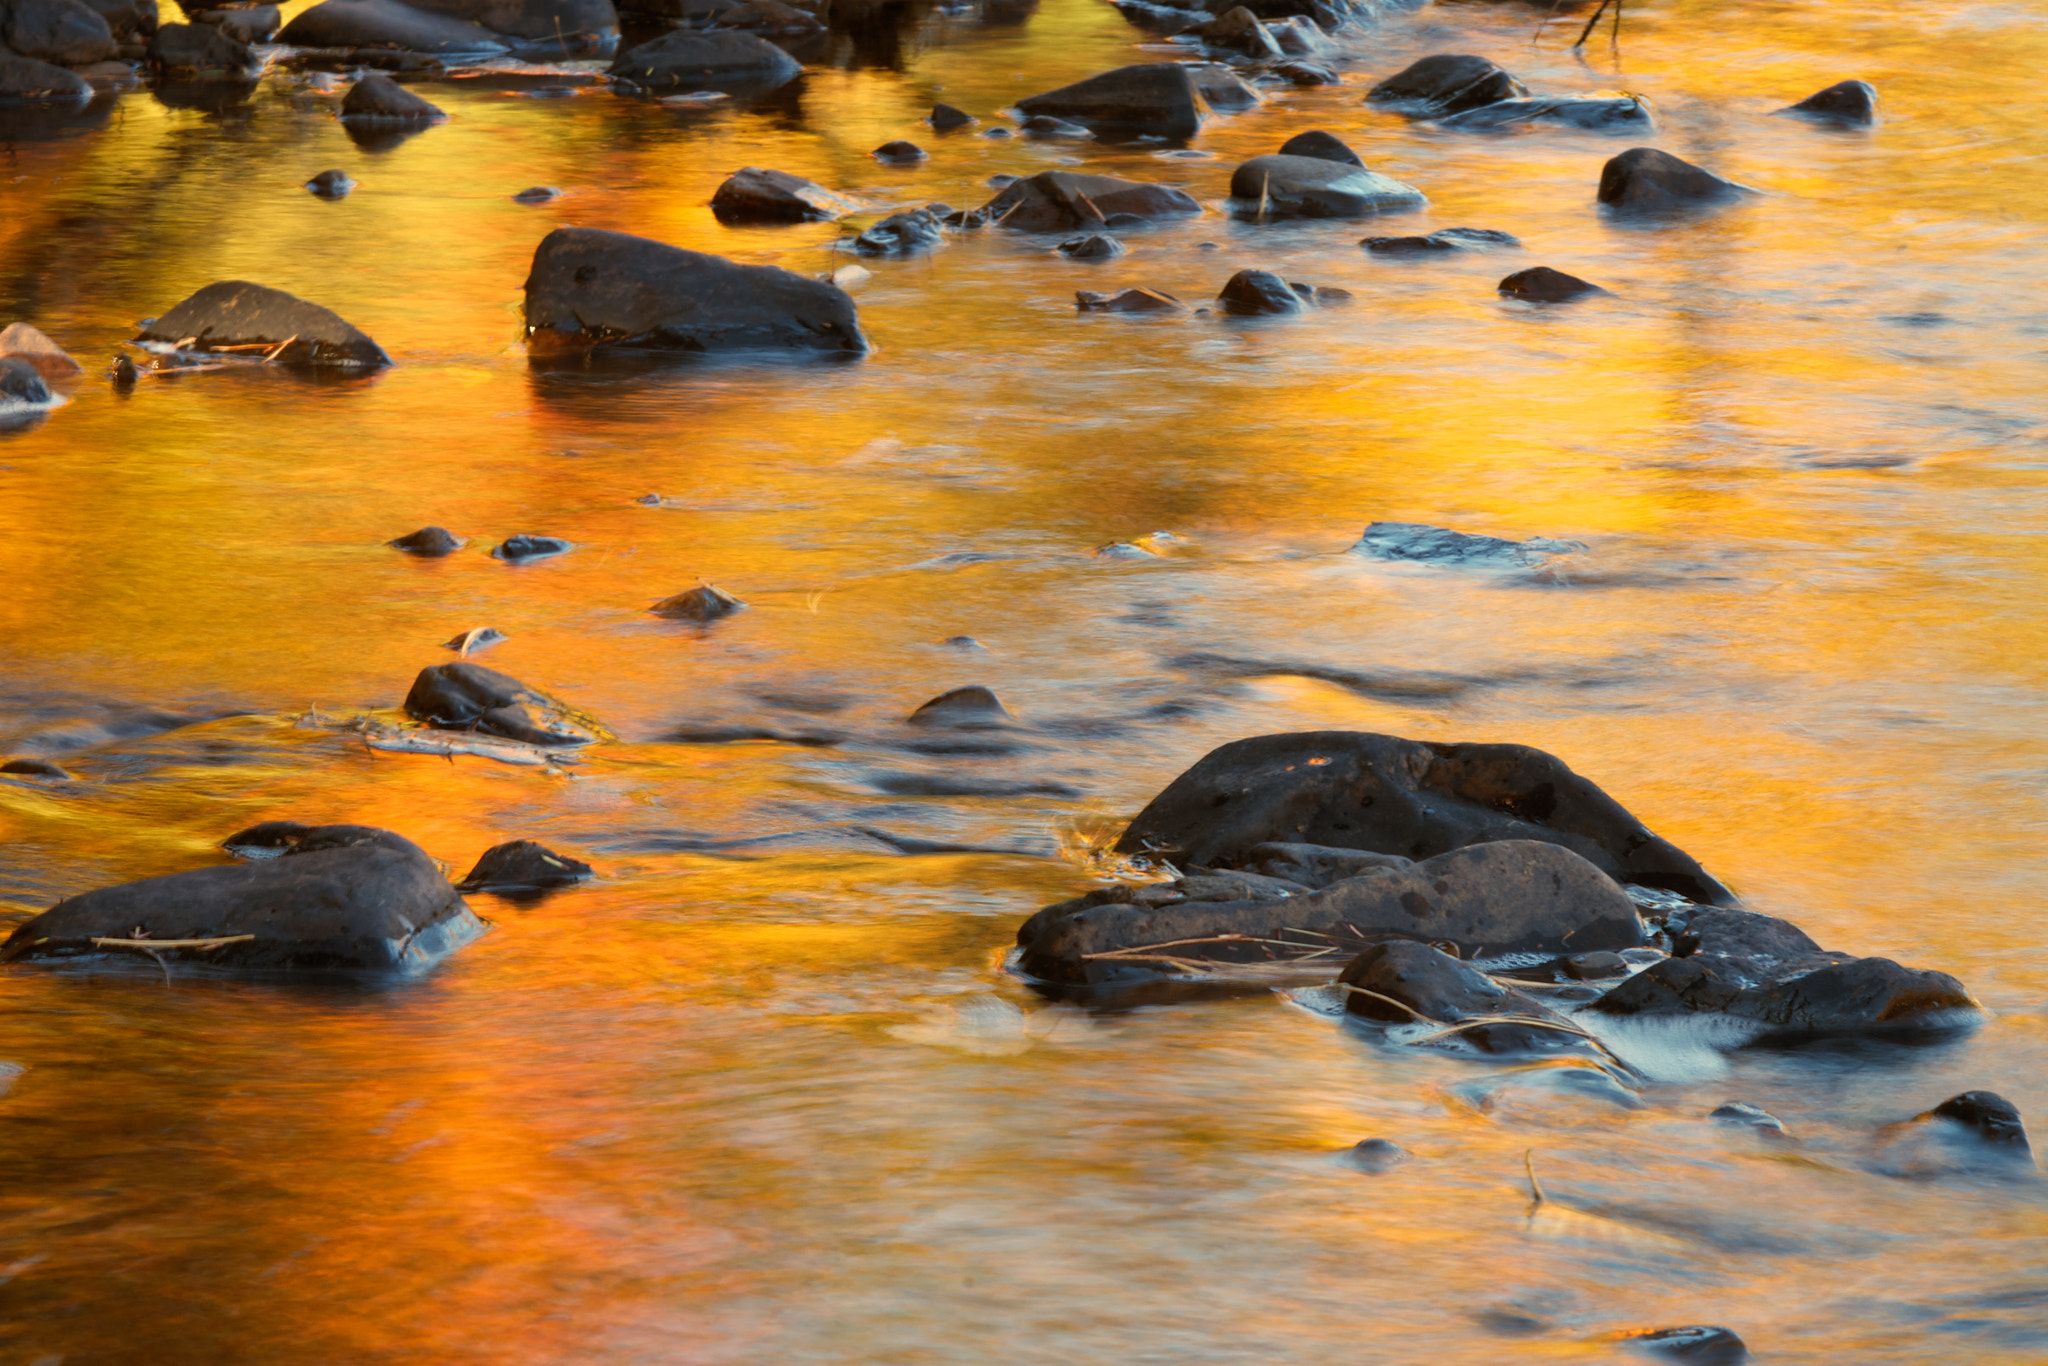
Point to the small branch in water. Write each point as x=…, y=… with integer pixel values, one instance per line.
x=1535, y=1186
x=153, y=945
x=1361, y=991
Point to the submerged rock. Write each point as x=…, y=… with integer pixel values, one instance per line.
x=1320, y=146
x=1315, y=187
x=1059, y=201
x=513, y=549
x=254, y=320
x=1988, y=1116
x=1374, y=1155
x=707, y=602
x=1153, y=98
x=429, y=542
x=1747, y=1116
x=944, y=118
x=1823, y=994
x=1593, y=113
x=1094, y=247
x=1851, y=103
x=1221, y=88
x=331, y=184
x=56, y=32
x=1441, y=241
x=969, y=708
x=20, y=341
x=1645, y=180
x=1446, y=83
x=901, y=234
x=591, y=288
x=1250, y=293
x=1696, y=1346
x=339, y=897
x=523, y=865
x=899, y=153
x=1425, y=544
x=1127, y=301
x=756, y=195
x=699, y=59
x=476, y=638
x=1307, y=73
x=376, y=96
x=1387, y=795
x=1542, y=285
x=465, y=696
x=33, y=768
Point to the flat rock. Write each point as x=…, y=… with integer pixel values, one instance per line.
x=1592, y=113
x=389, y=25
x=522, y=865
x=1061, y=201
x=1313, y=187
x=19, y=341
x=1320, y=146
x=1387, y=795
x=1850, y=103
x=1127, y=301
x=1446, y=83
x=1441, y=241
x=248, y=318
x=340, y=897
x=376, y=96
x=1542, y=285
x=688, y=59
x=757, y=195
x=590, y=288
x=1421, y=543
x=1152, y=98
x=59, y=32
x=1645, y=180
x=429, y=542
x=465, y=696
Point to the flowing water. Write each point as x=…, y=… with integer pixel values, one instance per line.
x=763, y=1092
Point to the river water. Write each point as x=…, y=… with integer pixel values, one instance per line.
x=763, y=1091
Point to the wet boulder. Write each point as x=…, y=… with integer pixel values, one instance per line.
x=1987, y=1116
x=1442, y=241
x=970, y=708
x=245, y=23
x=1317, y=865
x=1239, y=31
x=1542, y=285
x=901, y=234
x=1424, y=544
x=1313, y=187
x=1590, y=113
x=1374, y=1155
x=1645, y=180
x=20, y=341
x=22, y=383
x=389, y=26
x=338, y=897
x=523, y=865
x=331, y=184
x=24, y=80
x=376, y=97
x=33, y=768
x=1446, y=83
x=465, y=696
x=1827, y=994
x=1400, y=980
x=1387, y=795
x=537, y=194
x=1061, y=201
x=689, y=59
x=1094, y=246
x=1155, y=98
x=590, y=288
x=770, y=17
x=429, y=543
x=130, y=21
x=944, y=118
x=1307, y=73
x=1852, y=104
x=1743, y=1115
x=59, y=32
x=755, y=195
x=706, y=602
x=237, y=317
x=899, y=153
x=1253, y=293
x=1046, y=126
x=523, y=547
x=1320, y=146
x=194, y=50
x=1126, y=301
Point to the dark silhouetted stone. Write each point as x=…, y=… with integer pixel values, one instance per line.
x=465, y=696
x=1307, y=73
x=1424, y=544
x=58, y=32
x=901, y=234
x=1542, y=285
x=1222, y=88
x=516, y=548
x=33, y=768
x=1252, y=292
x=1446, y=84
x=1593, y=114
x=693, y=60
x=969, y=708
x=1852, y=103
x=522, y=865
x=331, y=184
x=899, y=153
x=1374, y=1155
x=1645, y=180
x=1239, y=30
x=1840, y=995
x=593, y=288
x=429, y=542
x=1701, y=1346
x=706, y=602
x=1320, y=146
x=754, y=195
x=245, y=23
x=390, y=26
x=945, y=118
x=1429, y=984
x=770, y=17
x=25, y=80
x=1441, y=241
x=1988, y=1115
x=131, y=21
x=1311, y=187
x=340, y=897
x=1060, y=201
x=1316, y=865
x=247, y=317
x=377, y=96
x=1127, y=301
x=194, y=50
x=1094, y=247
x=537, y=194
x=1156, y=98
x=1386, y=795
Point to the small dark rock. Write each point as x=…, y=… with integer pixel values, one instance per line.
x=1446, y=84
x=1253, y=292
x=1645, y=180
x=901, y=234
x=1317, y=187
x=1593, y=114
x=521, y=865
x=1425, y=544
x=331, y=184
x=123, y=372
x=1990, y=1116
x=1594, y=967
x=1094, y=247
x=707, y=602
x=537, y=194
x=1375, y=1155
x=1320, y=146
x=995, y=132
x=1430, y=985
x=756, y=195
x=514, y=549
x=963, y=643
x=1851, y=103
x=1240, y=31
x=1542, y=285
x=377, y=96
x=1307, y=73
x=1748, y=1116
x=465, y=696
x=429, y=542
x=1700, y=1346
x=33, y=768
x=1054, y=201
x=944, y=118
x=970, y=708
x=474, y=639
x=899, y=152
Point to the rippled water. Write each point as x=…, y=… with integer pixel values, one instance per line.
x=745, y=1098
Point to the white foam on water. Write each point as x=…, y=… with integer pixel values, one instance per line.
x=1671, y=1050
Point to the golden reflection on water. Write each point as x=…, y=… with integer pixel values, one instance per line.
x=665, y=1116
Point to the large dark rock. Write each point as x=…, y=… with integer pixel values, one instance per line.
x=1221, y=88
x=1447, y=83
x=523, y=865
x=24, y=80
x=1358, y=790
x=1321, y=146
x=1513, y=896
x=756, y=195
x=389, y=25
x=338, y=897
x=1645, y=180
x=1317, y=865
x=1828, y=994
x=1155, y=97
x=593, y=288
x=253, y=320
x=1592, y=113
x=1851, y=103
x=377, y=97
x=21, y=382
x=245, y=24
x=770, y=17
x=1542, y=285
x=692, y=60
x=465, y=696
x=429, y=543
x=1420, y=543
x=195, y=50
x=1313, y=187
x=60, y=32
x=1059, y=201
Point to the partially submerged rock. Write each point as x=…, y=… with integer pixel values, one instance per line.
x=56, y=32
x=1702, y=1345
x=522, y=865
x=253, y=320
x=1094, y=246
x=429, y=542
x=944, y=118
x=1060, y=201
x=377, y=97
x=33, y=768
x=899, y=153
x=1646, y=180
x=1592, y=113
x=688, y=59
x=331, y=184
x=1447, y=83
x=1250, y=293
x=1542, y=285
x=1316, y=187
x=20, y=341
x=1155, y=98
x=377, y=26
x=969, y=708
x=1221, y=88
x=1441, y=241
x=901, y=234
x=1387, y=795
x=1422, y=543
x=190, y=51
x=465, y=696
x=1322, y=147
x=24, y=80
x=706, y=602
x=1404, y=979
x=514, y=549
x=1850, y=103
x=339, y=897
x=22, y=384
x=590, y=288
x=1127, y=301
x=1239, y=30
x=757, y=195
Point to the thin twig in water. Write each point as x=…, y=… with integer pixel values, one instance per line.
x=1361, y=991
x=1136, y=949
x=152, y=945
x=1587, y=31
x=1535, y=1186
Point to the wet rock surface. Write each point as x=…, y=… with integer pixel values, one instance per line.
x=523, y=865
x=196, y=50
x=22, y=384
x=1315, y=187
x=691, y=60
x=1447, y=83
x=901, y=234
x=57, y=32
x=1849, y=103
x=516, y=549
x=1590, y=113
x=429, y=542
x=706, y=602
x=379, y=26
x=1127, y=301
x=1821, y=993
x=969, y=708
x=1152, y=98
x=378, y=97
x=1694, y=1346
x=1442, y=242
x=1062, y=201
x=465, y=696
x=331, y=184
x=30, y=81
x=756, y=195
x=263, y=323
x=1093, y=247
x=337, y=897
x=1435, y=545
x=1646, y=180
x=1542, y=285
x=1320, y=146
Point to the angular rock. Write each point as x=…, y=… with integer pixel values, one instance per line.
x=899, y=153
x=22, y=342
x=707, y=602
x=1842, y=995
x=429, y=542
x=591, y=288
x=945, y=118
x=1222, y=89
x=389, y=25
x=1094, y=247
x=1542, y=285
x=522, y=865
x=1441, y=241
x=1127, y=301
x=245, y=318
x=1058, y=201
x=901, y=234
x=465, y=696
x=1239, y=30
x=376, y=96
x=22, y=383
x=1645, y=180
x=1311, y=187
x=514, y=549
x=1155, y=97
x=1298, y=36
x=1250, y=293
x=59, y=32
x=970, y=708
x=24, y=80
x=1386, y=795
x=1592, y=113
x=1694, y=1346
x=1446, y=83
x=755, y=195
x=194, y=50
x=340, y=897
x=1850, y=103
x=691, y=60
x=1320, y=146
x=331, y=184
x=1417, y=541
